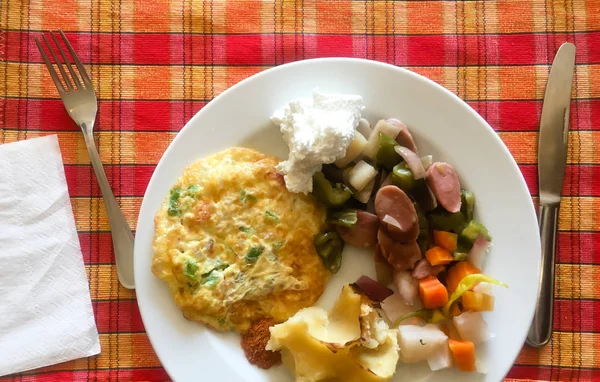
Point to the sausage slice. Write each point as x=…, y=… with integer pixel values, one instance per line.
x=402, y=222
x=401, y=256
x=444, y=184
x=364, y=233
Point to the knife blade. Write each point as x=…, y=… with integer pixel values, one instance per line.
x=552, y=160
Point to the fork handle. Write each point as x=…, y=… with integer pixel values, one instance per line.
x=122, y=237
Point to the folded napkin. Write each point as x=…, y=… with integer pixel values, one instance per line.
x=46, y=313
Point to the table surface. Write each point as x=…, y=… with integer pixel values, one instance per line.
x=154, y=63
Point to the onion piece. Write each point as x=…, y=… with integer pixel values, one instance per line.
x=364, y=128
x=478, y=251
x=408, y=286
x=376, y=291
x=390, y=129
x=426, y=161
x=395, y=307
x=361, y=175
x=412, y=160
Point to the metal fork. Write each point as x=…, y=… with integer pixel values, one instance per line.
x=80, y=101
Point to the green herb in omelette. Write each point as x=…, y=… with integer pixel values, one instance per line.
x=246, y=197
x=245, y=229
x=190, y=268
x=211, y=279
x=254, y=253
x=271, y=215
x=193, y=189
x=173, y=206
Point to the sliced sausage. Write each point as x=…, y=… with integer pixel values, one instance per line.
x=444, y=184
x=402, y=222
x=364, y=233
x=383, y=269
x=401, y=256
x=404, y=137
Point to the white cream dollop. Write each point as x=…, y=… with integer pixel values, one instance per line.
x=317, y=131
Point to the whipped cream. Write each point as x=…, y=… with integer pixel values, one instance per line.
x=317, y=131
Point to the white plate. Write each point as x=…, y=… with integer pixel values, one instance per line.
x=442, y=125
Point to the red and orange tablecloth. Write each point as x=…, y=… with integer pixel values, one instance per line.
x=154, y=63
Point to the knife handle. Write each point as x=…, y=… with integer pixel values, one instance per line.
x=541, y=327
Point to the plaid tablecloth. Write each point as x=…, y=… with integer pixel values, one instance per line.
x=155, y=63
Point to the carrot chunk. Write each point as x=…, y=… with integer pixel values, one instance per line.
x=432, y=292
x=439, y=256
x=446, y=240
x=463, y=353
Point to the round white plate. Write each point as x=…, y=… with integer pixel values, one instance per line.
x=442, y=125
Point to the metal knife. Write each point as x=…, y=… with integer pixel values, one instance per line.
x=552, y=160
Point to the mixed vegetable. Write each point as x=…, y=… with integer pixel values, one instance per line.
x=427, y=247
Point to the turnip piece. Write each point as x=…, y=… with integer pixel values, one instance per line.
x=354, y=150
x=382, y=126
x=418, y=343
x=408, y=286
x=472, y=327
x=441, y=358
x=361, y=175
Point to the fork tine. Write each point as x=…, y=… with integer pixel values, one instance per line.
x=82, y=71
x=66, y=61
x=53, y=74
x=58, y=63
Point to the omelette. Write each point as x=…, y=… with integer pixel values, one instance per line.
x=234, y=245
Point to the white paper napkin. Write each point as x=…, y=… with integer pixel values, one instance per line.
x=46, y=313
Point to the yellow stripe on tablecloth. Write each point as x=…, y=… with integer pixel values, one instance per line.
x=148, y=82
x=164, y=82
x=136, y=147
x=135, y=350
x=583, y=146
x=104, y=283
x=566, y=349
x=151, y=17
x=577, y=281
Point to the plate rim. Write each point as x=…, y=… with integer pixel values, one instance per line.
x=531, y=213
